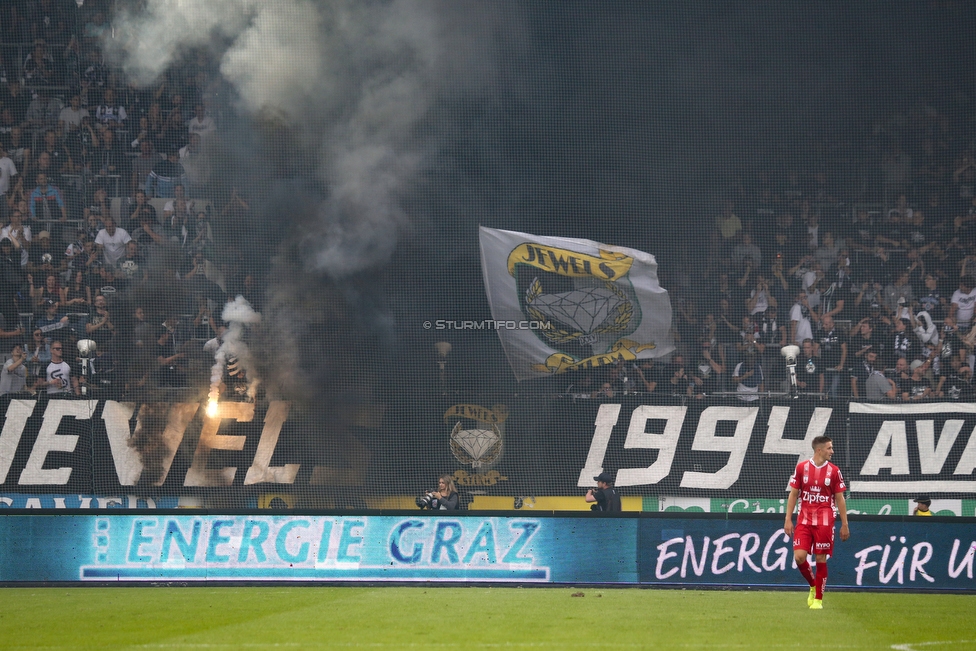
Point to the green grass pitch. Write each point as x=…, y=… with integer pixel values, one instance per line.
x=474, y=618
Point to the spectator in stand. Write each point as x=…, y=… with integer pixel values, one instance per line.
x=6, y=71
x=749, y=378
x=93, y=222
x=44, y=111
x=918, y=386
x=171, y=356
x=71, y=63
x=111, y=241
x=142, y=331
x=950, y=343
x=838, y=291
x=956, y=382
x=13, y=378
x=800, y=319
x=196, y=164
x=139, y=208
x=69, y=120
x=60, y=160
x=201, y=124
x=142, y=134
x=45, y=258
x=746, y=251
x=54, y=327
x=131, y=269
x=109, y=159
x=49, y=291
x=771, y=330
x=16, y=99
x=876, y=385
x=902, y=342
x=76, y=295
x=203, y=239
x=93, y=79
x=59, y=379
x=110, y=115
x=81, y=144
x=165, y=176
x=19, y=235
x=174, y=134
x=39, y=68
x=750, y=338
x=832, y=346
x=45, y=166
x=648, y=376
x=142, y=165
x=46, y=202
x=178, y=226
x=157, y=124
x=74, y=253
x=101, y=327
x=828, y=251
x=932, y=300
x=925, y=329
x=727, y=227
x=761, y=297
x=49, y=21
x=811, y=232
x=8, y=170
x=99, y=208
x=865, y=340
x=169, y=208
x=13, y=277
x=915, y=270
x=963, y=302
x=808, y=366
x=708, y=375
x=97, y=27
x=898, y=293
x=150, y=233
x=902, y=377
x=18, y=152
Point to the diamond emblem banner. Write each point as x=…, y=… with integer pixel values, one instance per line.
x=584, y=304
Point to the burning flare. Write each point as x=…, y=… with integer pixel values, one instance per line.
x=212, y=403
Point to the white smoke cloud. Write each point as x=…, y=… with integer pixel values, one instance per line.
x=238, y=315
x=358, y=77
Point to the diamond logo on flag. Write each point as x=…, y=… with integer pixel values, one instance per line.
x=584, y=310
x=477, y=447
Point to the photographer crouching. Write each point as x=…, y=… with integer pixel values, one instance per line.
x=445, y=498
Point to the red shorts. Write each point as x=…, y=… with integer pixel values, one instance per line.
x=814, y=539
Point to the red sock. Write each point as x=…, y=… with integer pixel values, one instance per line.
x=821, y=578
x=804, y=568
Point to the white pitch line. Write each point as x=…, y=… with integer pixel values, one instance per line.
x=911, y=645
x=400, y=645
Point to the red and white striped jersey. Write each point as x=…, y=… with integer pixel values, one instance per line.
x=817, y=486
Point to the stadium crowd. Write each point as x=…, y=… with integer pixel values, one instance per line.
x=110, y=217
x=109, y=199
x=871, y=271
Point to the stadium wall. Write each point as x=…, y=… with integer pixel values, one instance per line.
x=472, y=548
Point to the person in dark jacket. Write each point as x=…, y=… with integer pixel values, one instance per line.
x=604, y=497
x=12, y=279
